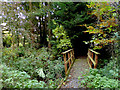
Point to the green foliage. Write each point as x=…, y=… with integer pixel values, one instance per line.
x=102, y=63
x=70, y=15
x=32, y=69
x=117, y=46
x=7, y=40
x=17, y=79
x=111, y=70
x=106, y=77
x=98, y=81
x=62, y=40
x=105, y=26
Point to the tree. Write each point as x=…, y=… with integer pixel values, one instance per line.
x=70, y=15
x=105, y=26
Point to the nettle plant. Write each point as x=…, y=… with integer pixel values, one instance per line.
x=104, y=28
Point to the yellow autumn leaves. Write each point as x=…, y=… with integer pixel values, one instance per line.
x=93, y=30
x=103, y=41
x=105, y=23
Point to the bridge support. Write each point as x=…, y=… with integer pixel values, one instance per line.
x=92, y=58
x=68, y=58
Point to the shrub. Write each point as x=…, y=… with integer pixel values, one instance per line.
x=106, y=77
x=7, y=39
x=98, y=81
x=17, y=79
x=34, y=65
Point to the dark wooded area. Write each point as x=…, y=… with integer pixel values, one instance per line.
x=40, y=41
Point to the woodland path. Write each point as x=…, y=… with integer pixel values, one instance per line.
x=79, y=66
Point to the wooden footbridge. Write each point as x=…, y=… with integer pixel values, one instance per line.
x=73, y=67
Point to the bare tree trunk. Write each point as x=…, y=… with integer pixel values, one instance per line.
x=45, y=29
x=49, y=30
x=40, y=30
x=24, y=41
x=30, y=8
x=18, y=38
x=45, y=32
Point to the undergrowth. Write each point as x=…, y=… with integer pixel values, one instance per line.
x=106, y=77
x=31, y=68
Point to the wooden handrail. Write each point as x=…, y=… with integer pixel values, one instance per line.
x=67, y=51
x=70, y=54
x=94, y=51
x=92, y=60
x=68, y=60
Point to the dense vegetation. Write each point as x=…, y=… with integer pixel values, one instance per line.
x=105, y=32
x=31, y=68
x=35, y=34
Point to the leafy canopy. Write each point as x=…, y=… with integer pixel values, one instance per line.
x=105, y=25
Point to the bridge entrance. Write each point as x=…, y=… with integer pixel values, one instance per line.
x=80, y=48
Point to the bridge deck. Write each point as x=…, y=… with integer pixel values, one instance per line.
x=79, y=65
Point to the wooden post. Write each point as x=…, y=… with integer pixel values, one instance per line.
x=69, y=58
x=89, y=53
x=96, y=61
x=73, y=55
x=92, y=57
x=65, y=63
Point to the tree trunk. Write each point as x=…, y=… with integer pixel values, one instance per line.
x=40, y=31
x=17, y=38
x=45, y=32
x=30, y=8
x=49, y=30
x=45, y=28
x=24, y=41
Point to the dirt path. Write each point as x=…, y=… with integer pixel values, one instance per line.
x=79, y=66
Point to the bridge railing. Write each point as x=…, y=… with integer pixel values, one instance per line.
x=68, y=58
x=92, y=58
